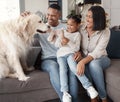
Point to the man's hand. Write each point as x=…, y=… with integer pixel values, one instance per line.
x=26, y=13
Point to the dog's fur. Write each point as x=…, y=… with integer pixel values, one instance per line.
x=15, y=40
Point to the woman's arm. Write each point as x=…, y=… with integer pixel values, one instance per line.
x=81, y=64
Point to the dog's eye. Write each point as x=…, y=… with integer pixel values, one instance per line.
x=40, y=21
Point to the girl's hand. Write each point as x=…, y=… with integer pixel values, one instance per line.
x=64, y=41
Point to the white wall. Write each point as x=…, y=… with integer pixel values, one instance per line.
x=64, y=9
x=35, y=5
x=9, y=9
x=112, y=7
x=67, y=6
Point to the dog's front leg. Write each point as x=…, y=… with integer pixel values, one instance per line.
x=20, y=73
x=19, y=70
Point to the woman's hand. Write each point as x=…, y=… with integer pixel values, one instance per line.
x=80, y=68
x=81, y=64
x=77, y=56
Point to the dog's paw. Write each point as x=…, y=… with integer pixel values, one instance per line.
x=23, y=78
x=14, y=75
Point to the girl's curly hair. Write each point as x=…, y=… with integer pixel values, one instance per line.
x=77, y=18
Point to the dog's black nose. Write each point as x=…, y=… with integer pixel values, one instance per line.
x=48, y=26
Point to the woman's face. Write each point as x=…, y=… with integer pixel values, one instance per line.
x=72, y=26
x=89, y=19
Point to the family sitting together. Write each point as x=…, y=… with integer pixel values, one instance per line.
x=76, y=50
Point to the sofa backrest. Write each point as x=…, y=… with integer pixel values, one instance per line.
x=113, y=47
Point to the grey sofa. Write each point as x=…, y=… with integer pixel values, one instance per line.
x=35, y=89
x=112, y=74
x=39, y=89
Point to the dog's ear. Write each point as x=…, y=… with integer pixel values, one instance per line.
x=22, y=23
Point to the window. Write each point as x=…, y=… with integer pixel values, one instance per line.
x=9, y=9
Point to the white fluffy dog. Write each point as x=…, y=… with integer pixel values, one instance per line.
x=15, y=40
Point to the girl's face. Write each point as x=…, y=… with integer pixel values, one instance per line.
x=89, y=19
x=72, y=26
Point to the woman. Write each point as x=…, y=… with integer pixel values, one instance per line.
x=95, y=37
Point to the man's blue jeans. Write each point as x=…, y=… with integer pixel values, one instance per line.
x=51, y=66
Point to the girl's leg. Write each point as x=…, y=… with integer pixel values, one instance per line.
x=73, y=66
x=63, y=68
x=83, y=79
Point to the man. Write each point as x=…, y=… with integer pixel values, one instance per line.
x=48, y=54
x=48, y=57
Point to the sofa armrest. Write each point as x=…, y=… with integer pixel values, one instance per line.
x=113, y=48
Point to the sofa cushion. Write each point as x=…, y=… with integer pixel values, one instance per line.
x=112, y=74
x=32, y=55
x=113, y=47
x=38, y=80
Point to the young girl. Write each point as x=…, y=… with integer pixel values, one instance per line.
x=68, y=42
